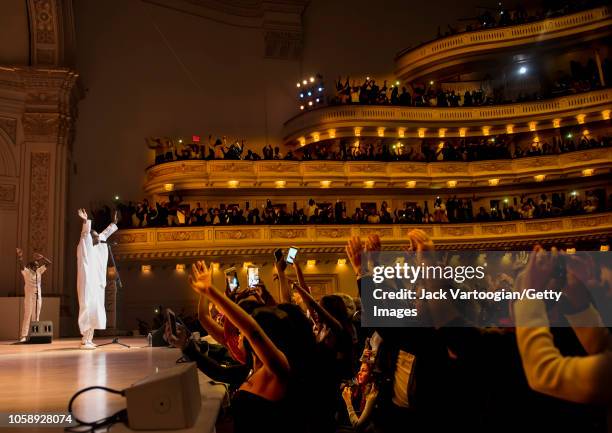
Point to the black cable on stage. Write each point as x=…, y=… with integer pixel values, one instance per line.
x=84, y=426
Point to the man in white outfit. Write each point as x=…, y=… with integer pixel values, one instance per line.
x=32, y=278
x=92, y=259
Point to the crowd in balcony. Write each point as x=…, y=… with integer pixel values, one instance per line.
x=581, y=78
x=451, y=210
x=501, y=146
x=503, y=17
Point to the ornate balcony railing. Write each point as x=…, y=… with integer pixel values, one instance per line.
x=203, y=175
x=414, y=63
x=403, y=122
x=195, y=242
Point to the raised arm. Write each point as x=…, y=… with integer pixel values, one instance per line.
x=272, y=358
x=314, y=307
x=45, y=261
x=285, y=292
x=214, y=329
x=300, y=276
x=112, y=227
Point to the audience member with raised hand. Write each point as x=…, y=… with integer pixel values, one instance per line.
x=264, y=401
x=580, y=379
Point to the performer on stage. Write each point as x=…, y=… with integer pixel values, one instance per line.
x=92, y=259
x=32, y=301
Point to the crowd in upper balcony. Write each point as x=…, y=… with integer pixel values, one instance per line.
x=502, y=17
x=453, y=209
x=501, y=146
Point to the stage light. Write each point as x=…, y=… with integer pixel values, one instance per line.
x=605, y=114
x=381, y=131
x=180, y=140
x=442, y=132
x=317, y=100
x=298, y=84
x=462, y=132
x=539, y=177
x=569, y=135
x=431, y=83
x=556, y=123
x=332, y=133
x=301, y=95
x=368, y=184
x=357, y=131
x=116, y=197
x=168, y=186
x=310, y=103
x=532, y=126
x=233, y=183
x=486, y=130
x=522, y=70
x=145, y=269
x=315, y=136
x=510, y=129
x=320, y=89
x=401, y=132
x=180, y=267
x=397, y=83
x=368, y=78
x=605, y=247
x=325, y=183
x=312, y=79
x=280, y=183
x=341, y=262
x=302, y=141
x=309, y=93
x=451, y=183
x=311, y=262
x=505, y=200
x=410, y=183
x=301, y=107
x=585, y=132
x=580, y=118
x=493, y=182
x=588, y=172
x=422, y=132
x=574, y=193
x=492, y=139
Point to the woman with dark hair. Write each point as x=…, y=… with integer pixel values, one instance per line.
x=276, y=356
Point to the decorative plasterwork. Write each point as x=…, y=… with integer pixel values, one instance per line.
x=200, y=175
x=279, y=20
x=241, y=240
x=9, y=126
x=8, y=193
x=40, y=166
x=45, y=32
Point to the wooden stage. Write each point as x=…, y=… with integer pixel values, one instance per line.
x=39, y=378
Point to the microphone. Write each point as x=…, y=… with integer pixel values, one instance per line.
x=113, y=243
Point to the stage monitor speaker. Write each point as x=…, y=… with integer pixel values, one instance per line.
x=40, y=332
x=166, y=400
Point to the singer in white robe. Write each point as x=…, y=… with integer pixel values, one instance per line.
x=92, y=258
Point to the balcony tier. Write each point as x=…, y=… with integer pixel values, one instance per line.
x=447, y=52
x=197, y=242
x=420, y=122
x=202, y=175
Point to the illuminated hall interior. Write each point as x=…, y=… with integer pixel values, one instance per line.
x=223, y=130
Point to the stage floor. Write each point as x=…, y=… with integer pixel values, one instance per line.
x=41, y=378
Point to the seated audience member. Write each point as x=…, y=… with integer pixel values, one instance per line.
x=360, y=398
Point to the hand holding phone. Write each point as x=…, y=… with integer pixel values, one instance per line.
x=292, y=254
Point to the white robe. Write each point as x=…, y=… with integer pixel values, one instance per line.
x=91, y=278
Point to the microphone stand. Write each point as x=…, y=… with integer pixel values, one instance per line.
x=119, y=285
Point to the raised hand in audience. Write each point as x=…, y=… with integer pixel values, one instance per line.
x=354, y=249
